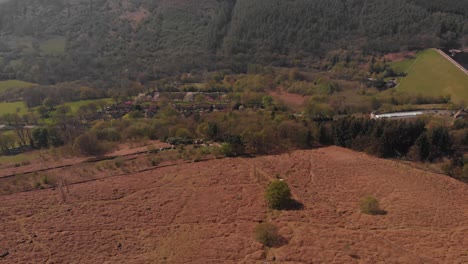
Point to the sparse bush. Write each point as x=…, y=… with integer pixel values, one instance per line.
x=44, y=179
x=138, y=130
x=182, y=132
x=370, y=205
x=88, y=144
x=135, y=114
x=108, y=165
x=48, y=180
x=278, y=194
x=267, y=234
x=227, y=150
x=119, y=162
x=110, y=134
x=37, y=185
x=154, y=161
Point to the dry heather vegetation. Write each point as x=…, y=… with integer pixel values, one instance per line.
x=208, y=211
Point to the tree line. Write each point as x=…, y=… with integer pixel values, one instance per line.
x=389, y=138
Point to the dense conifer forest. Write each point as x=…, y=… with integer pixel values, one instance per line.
x=109, y=40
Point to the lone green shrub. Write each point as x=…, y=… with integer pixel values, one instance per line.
x=119, y=162
x=278, y=194
x=370, y=205
x=227, y=150
x=267, y=234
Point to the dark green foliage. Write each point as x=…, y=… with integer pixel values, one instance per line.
x=440, y=143
x=460, y=124
x=421, y=148
x=43, y=111
x=213, y=131
x=278, y=195
x=43, y=137
x=381, y=137
x=432, y=145
x=227, y=150
x=103, y=43
x=40, y=137
x=7, y=142
x=233, y=146
x=179, y=141
x=389, y=138
x=304, y=27
x=456, y=167
x=55, y=139
x=267, y=234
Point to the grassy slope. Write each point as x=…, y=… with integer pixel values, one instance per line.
x=6, y=108
x=14, y=84
x=402, y=66
x=433, y=75
x=11, y=107
x=76, y=105
x=53, y=46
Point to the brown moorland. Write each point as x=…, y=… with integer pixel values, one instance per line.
x=206, y=212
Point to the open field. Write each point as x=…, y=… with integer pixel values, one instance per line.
x=53, y=46
x=24, y=158
x=14, y=84
x=430, y=74
x=76, y=105
x=12, y=108
x=402, y=66
x=206, y=212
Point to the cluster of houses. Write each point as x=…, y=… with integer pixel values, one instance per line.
x=145, y=104
x=118, y=111
x=199, y=108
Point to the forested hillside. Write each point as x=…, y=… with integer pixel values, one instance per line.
x=52, y=41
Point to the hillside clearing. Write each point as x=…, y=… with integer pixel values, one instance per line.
x=76, y=105
x=13, y=107
x=4, y=85
x=53, y=46
x=430, y=74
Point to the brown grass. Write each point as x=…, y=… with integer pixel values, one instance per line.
x=206, y=212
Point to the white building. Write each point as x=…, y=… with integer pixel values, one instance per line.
x=400, y=115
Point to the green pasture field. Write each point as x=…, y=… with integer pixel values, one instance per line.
x=431, y=74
